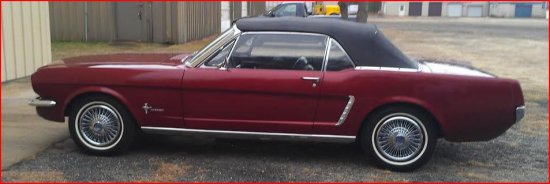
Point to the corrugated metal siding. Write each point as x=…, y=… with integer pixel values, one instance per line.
x=235, y=10
x=255, y=8
x=26, y=44
x=176, y=22
x=101, y=25
x=67, y=21
x=161, y=19
x=197, y=20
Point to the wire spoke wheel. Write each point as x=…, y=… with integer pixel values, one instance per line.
x=99, y=124
x=399, y=138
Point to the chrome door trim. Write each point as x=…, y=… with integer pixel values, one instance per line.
x=386, y=68
x=346, y=110
x=314, y=79
x=246, y=134
x=327, y=52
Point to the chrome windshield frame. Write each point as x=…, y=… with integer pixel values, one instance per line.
x=222, y=40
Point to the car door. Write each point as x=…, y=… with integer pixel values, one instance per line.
x=336, y=102
x=268, y=83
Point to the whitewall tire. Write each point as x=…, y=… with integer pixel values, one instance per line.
x=399, y=138
x=100, y=125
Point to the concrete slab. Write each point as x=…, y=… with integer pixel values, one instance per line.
x=24, y=133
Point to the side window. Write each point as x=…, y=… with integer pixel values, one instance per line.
x=219, y=56
x=286, y=10
x=279, y=52
x=337, y=58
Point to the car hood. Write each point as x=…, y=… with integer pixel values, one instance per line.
x=125, y=59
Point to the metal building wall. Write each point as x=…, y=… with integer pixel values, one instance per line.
x=161, y=18
x=235, y=9
x=255, y=8
x=172, y=22
x=26, y=45
x=101, y=24
x=392, y=8
x=196, y=20
x=68, y=21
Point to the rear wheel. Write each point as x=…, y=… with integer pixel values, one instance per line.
x=399, y=138
x=100, y=125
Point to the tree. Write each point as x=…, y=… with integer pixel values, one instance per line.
x=362, y=12
x=343, y=10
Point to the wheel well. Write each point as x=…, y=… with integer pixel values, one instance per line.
x=73, y=101
x=401, y=104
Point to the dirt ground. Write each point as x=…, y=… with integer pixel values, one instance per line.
x=510, y=48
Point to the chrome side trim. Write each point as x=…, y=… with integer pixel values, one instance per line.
x=386, y=69
x=520, y=113
x=245, y=134
x=284, y=33
x=327, y=52
x=37, y=102
x=345, y=113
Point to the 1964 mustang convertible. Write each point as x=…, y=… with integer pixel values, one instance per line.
x=281, y=78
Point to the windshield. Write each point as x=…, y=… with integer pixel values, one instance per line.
x=197, y=57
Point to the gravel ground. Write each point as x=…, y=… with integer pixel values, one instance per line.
x=509, y=48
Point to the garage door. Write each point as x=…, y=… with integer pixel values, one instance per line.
x=454, y=10
x=523, y=10
x=474, y=11
x=434, y=9
x=415, y=8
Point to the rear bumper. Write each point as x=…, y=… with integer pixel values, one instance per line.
x=520, y=113
x=38, y=102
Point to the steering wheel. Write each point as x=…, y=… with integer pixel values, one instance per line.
x=302, y=64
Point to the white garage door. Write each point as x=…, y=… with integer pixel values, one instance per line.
x=454, y=10
x=474, y=11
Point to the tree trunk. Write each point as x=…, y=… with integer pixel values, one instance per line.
x=343, y=10
x=362, y=12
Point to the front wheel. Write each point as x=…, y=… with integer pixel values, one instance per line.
x=399, y=138
x=100, y=125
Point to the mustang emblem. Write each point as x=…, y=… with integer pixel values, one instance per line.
x=146, y=107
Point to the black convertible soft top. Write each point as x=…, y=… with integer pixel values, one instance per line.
x=364, y=43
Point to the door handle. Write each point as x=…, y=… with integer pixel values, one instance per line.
x=314, y=79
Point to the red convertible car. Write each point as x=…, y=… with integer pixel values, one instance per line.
x=281, y=78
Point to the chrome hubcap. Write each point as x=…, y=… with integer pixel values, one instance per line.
x=99, y=125
x=399, y=138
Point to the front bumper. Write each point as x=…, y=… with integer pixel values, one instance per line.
x=520, y=113
x=48, y=109
x=38, y=102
